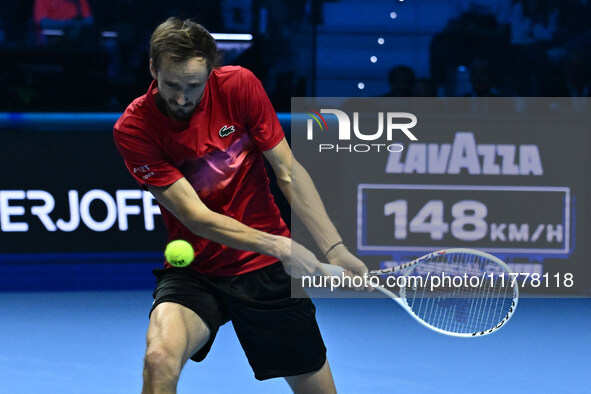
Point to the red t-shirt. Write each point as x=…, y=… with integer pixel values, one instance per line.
x=219, y=151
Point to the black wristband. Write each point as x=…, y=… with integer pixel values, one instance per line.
x=332, y=247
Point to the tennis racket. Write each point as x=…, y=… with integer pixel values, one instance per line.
x=457, y=292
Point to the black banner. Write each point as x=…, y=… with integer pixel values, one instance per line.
x=69, y=192
x=404, y=177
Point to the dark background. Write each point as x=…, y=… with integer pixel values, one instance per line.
x=307, y=48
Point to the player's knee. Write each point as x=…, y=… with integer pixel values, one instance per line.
x=161, y=364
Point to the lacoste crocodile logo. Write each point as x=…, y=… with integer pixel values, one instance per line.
x=226, y=131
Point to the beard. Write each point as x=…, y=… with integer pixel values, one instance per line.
x=183, y=113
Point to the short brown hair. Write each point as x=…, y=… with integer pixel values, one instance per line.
x=180, y=40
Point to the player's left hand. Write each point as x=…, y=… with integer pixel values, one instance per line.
x=340, y=255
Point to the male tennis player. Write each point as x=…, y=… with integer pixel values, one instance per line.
x=197, y=141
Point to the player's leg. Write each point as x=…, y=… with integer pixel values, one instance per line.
x=184, y=321
x=278, y=332
x=320, y=382
x=174, y=334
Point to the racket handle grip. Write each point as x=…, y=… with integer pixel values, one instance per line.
x=334, y=270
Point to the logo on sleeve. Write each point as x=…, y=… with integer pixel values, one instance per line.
x=143, y=169
x=226, y=131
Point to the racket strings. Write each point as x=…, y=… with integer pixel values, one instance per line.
x=459, y=292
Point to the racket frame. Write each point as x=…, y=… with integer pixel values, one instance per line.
x=407, y=267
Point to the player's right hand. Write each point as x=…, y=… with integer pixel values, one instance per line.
x=301, y=262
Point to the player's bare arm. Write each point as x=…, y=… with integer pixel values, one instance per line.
x=181, y=199
x=294, y=181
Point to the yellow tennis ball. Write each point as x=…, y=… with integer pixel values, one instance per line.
x=179, y=253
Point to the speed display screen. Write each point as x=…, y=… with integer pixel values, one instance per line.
x=495, y=218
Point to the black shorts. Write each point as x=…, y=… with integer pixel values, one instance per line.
x=279, y=333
